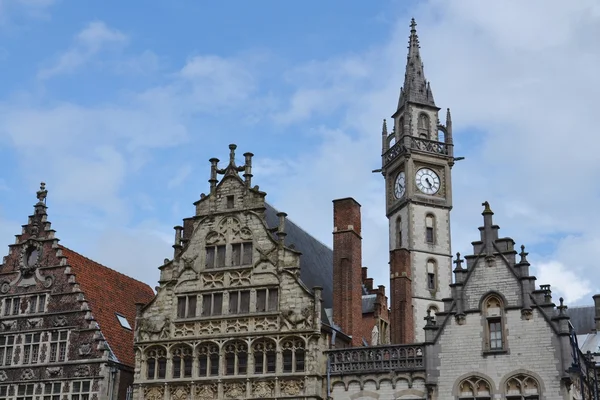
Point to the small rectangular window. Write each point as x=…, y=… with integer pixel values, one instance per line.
x=6, y=349
x=229, y=201
x=212, y=304
x=16, y=306
x=186, y=306
x=429, y=234
x=247, y=256
x=431, y=281
x=236, y=254
x=239, y=302
x=220, y=256
x=267, y=300
x=495, y=328
x=210, y=257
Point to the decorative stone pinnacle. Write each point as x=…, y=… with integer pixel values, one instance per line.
x=384, y=130
x=413, y=25
x=458, y=262
x=42, y=193
x=562, y=309
x=523, y=255
x=429, y=318
x=232, y=148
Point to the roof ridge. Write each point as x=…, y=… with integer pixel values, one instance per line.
x=104, y=266
x=299, y=227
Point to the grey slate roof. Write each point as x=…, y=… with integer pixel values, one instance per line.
x=582, y=319
x=316, y=262
x=368, y=303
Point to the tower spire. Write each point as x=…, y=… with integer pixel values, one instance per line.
x=416, y=88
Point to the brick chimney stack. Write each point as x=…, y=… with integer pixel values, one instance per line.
x=347, y=271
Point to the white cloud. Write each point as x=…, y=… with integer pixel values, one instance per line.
x=527, y=88
x=94, y=38
x=564, y=282
x=13, y=9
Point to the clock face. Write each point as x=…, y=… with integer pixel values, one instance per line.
x=400, y=185
x=427, y=181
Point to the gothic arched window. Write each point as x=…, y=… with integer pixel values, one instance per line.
x=494, y=317
x=156, y=363
x=236, y=358
x=182, y=362
x=521, y=387
x=208, y=359
x=423, y=126
x=293, y=355
x=473, y=388
x=265, y=356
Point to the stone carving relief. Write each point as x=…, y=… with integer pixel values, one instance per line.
x=30, y=257
x=85, y=349
x=263, y=389
x=182, y=330
x=210, y=281
x=3, y=376
x=27, y=374
x=239, y=278
x=54, y=372
x=32, y=323
x=237, y=325
x=234, y=390
x=8, y=325
x=180, y=393
x=154, y=393
x=292, y=387
x=206, y=392
x=149, y=329
x=59, y=320
x=211, y=328
x=266, y=324
x=298, y=320
x=5, y=287
x=82, y=371
x=214, y=238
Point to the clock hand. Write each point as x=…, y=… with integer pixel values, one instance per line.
x=429, y=183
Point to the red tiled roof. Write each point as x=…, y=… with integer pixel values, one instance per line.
x=108, y=293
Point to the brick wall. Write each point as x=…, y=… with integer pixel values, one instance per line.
x=401, y=316
x=347, y=274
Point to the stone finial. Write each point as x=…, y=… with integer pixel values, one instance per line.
x=458, y=262
x=523, y=255
x=487, y=209
x=430, y=320
x=232, y=148
x=213, y=173
x=42, y=193
x=562, y=309
x=448, y=117
x=281, y=228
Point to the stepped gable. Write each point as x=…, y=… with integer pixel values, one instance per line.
x=109, y=293
x=316, y=262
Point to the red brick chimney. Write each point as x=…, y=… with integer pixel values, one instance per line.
x=347, y=272
x=402, y=324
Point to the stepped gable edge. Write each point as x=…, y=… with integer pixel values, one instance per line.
x=108, y=293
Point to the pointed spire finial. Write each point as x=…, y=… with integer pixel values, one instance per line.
x=42, y=193
x=384, y=130
x=232, y=148
x=458, y=262
x=448, y=117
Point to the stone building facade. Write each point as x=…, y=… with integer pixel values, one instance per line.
x=65, y=321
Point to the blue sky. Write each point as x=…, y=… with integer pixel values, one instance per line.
x=118, y=106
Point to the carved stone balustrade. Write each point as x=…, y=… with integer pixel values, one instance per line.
x=413, y=143
x=376, y=359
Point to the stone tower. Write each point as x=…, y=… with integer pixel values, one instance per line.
x=417, y=157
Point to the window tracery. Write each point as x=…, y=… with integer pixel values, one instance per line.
x=423, y=126
x=208, y=359
x=236, y=358
x=156, y=363
x=182, y=362
x=474, y=388
x=293, y=355
x=521, y=387
x=265, y=356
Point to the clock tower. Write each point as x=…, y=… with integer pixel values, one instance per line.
x=417, y=158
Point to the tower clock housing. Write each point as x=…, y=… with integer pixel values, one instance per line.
x=417, y=158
